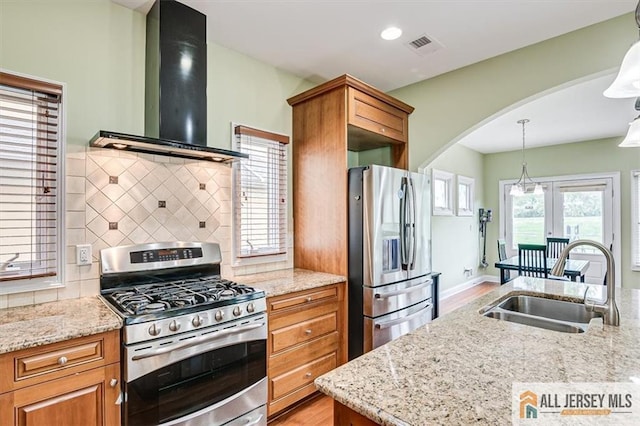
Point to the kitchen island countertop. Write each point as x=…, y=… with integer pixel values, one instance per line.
x=285, y=281
x=460, y=368
x=29, y=326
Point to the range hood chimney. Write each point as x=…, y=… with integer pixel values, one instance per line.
x=175, y=89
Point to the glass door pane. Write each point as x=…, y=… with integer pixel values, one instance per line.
x=527, y=219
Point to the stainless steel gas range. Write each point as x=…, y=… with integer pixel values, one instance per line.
x=193, y=344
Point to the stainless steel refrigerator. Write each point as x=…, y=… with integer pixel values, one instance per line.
x=390, y=285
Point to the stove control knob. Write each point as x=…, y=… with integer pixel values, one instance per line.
x=197, y=321
x=237, y=311
x=154, y=330
x=174, y=326
x=219, y=315
x=251, y=307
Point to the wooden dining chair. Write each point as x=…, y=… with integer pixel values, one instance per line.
x=555, y=246
x=532, y=260
x=502, y=255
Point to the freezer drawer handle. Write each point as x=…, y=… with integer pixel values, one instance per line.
x=389, y=294
x=391, y=323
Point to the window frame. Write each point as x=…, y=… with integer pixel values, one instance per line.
x=635, y=220
x=28, y=284
x=258, y=258
x=441, y=175
x=468, y=182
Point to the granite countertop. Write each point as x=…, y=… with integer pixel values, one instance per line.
x=460, y=368
x=28, y=326
x=285, y=281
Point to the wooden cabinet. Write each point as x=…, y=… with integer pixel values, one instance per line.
x=306, y=339
x=75, y=382
x=329, y=120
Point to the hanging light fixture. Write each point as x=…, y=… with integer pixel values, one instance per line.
x=520, y=187
x=627, y=83
x=633, y=135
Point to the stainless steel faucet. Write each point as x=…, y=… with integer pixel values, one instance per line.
x=611, y=316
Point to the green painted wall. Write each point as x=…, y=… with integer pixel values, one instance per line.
x=454, y=103
x=602, y=155
x=456, y=239
x=95, y=47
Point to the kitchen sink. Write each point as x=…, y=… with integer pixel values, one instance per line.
x=556, y=315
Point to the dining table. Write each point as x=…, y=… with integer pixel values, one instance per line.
x=573, y=269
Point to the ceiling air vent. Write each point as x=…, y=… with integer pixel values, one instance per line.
x=423, y=45
x=420, y=42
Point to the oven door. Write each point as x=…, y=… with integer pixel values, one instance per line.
x=383, y=329
x=212, y=376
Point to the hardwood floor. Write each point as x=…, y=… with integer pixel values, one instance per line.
x=319, y=410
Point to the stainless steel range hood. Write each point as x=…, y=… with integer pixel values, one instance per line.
x=107, y=139
x=175, y=89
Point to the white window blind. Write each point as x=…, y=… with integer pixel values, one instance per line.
x=29, y=178
x=260, y=193
x=635, y=217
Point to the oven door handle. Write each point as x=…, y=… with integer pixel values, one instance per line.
x=198, y=341
x=389, y=294
x=391, y=323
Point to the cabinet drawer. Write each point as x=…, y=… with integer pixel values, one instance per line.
x=302, y=354
x=302, y=375
x=50, y=361
x=376, y=116
x=302, y=332
x=34, y=365
x=278, y=304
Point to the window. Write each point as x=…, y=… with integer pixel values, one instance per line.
x=31, y=182
x=260, y=194
x=465, y=196
x=442, y=193
x=635, y=217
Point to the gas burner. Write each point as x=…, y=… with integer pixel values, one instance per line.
x=154, y=307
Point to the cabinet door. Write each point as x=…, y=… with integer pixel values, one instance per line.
x=84, y=399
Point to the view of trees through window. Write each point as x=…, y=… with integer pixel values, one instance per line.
x=582, y=217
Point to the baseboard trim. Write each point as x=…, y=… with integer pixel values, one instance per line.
x=467, y=285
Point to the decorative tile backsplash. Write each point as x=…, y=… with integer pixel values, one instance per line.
x=117, y=198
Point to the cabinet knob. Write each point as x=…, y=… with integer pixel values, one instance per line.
x=307, y=331
x=62, y=360
x=383, y=130
x=113, y=383
x=308, y=375
x=309, y=299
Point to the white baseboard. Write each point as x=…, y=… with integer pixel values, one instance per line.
x=468, y=284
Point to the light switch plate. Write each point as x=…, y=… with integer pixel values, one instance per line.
x=83, y=254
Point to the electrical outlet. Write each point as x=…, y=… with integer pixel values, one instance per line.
x=83, y=254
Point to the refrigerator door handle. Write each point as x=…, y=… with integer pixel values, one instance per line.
x=412, y=227
x=403, y=224
x=388, y=294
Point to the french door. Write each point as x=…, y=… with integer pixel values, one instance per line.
x=579, y=208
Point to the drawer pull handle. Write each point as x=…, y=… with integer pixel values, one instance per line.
x=307, y=331
x=308, y=375
x=62, y=360
x=309, y=299
x=113, y=383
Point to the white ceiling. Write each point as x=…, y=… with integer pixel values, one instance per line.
x=322, y=39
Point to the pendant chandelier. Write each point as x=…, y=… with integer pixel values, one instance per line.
x=525, y=182
x=633, y=135
x=627, y=83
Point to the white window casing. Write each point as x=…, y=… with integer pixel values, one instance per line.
x=259, y=196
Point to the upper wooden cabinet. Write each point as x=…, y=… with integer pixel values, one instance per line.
x=341, y=115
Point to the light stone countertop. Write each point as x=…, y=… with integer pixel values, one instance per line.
x=28, y=326
x=285, y=281
x=459, y=369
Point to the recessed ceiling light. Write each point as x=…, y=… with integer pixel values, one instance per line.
x=391, y=33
